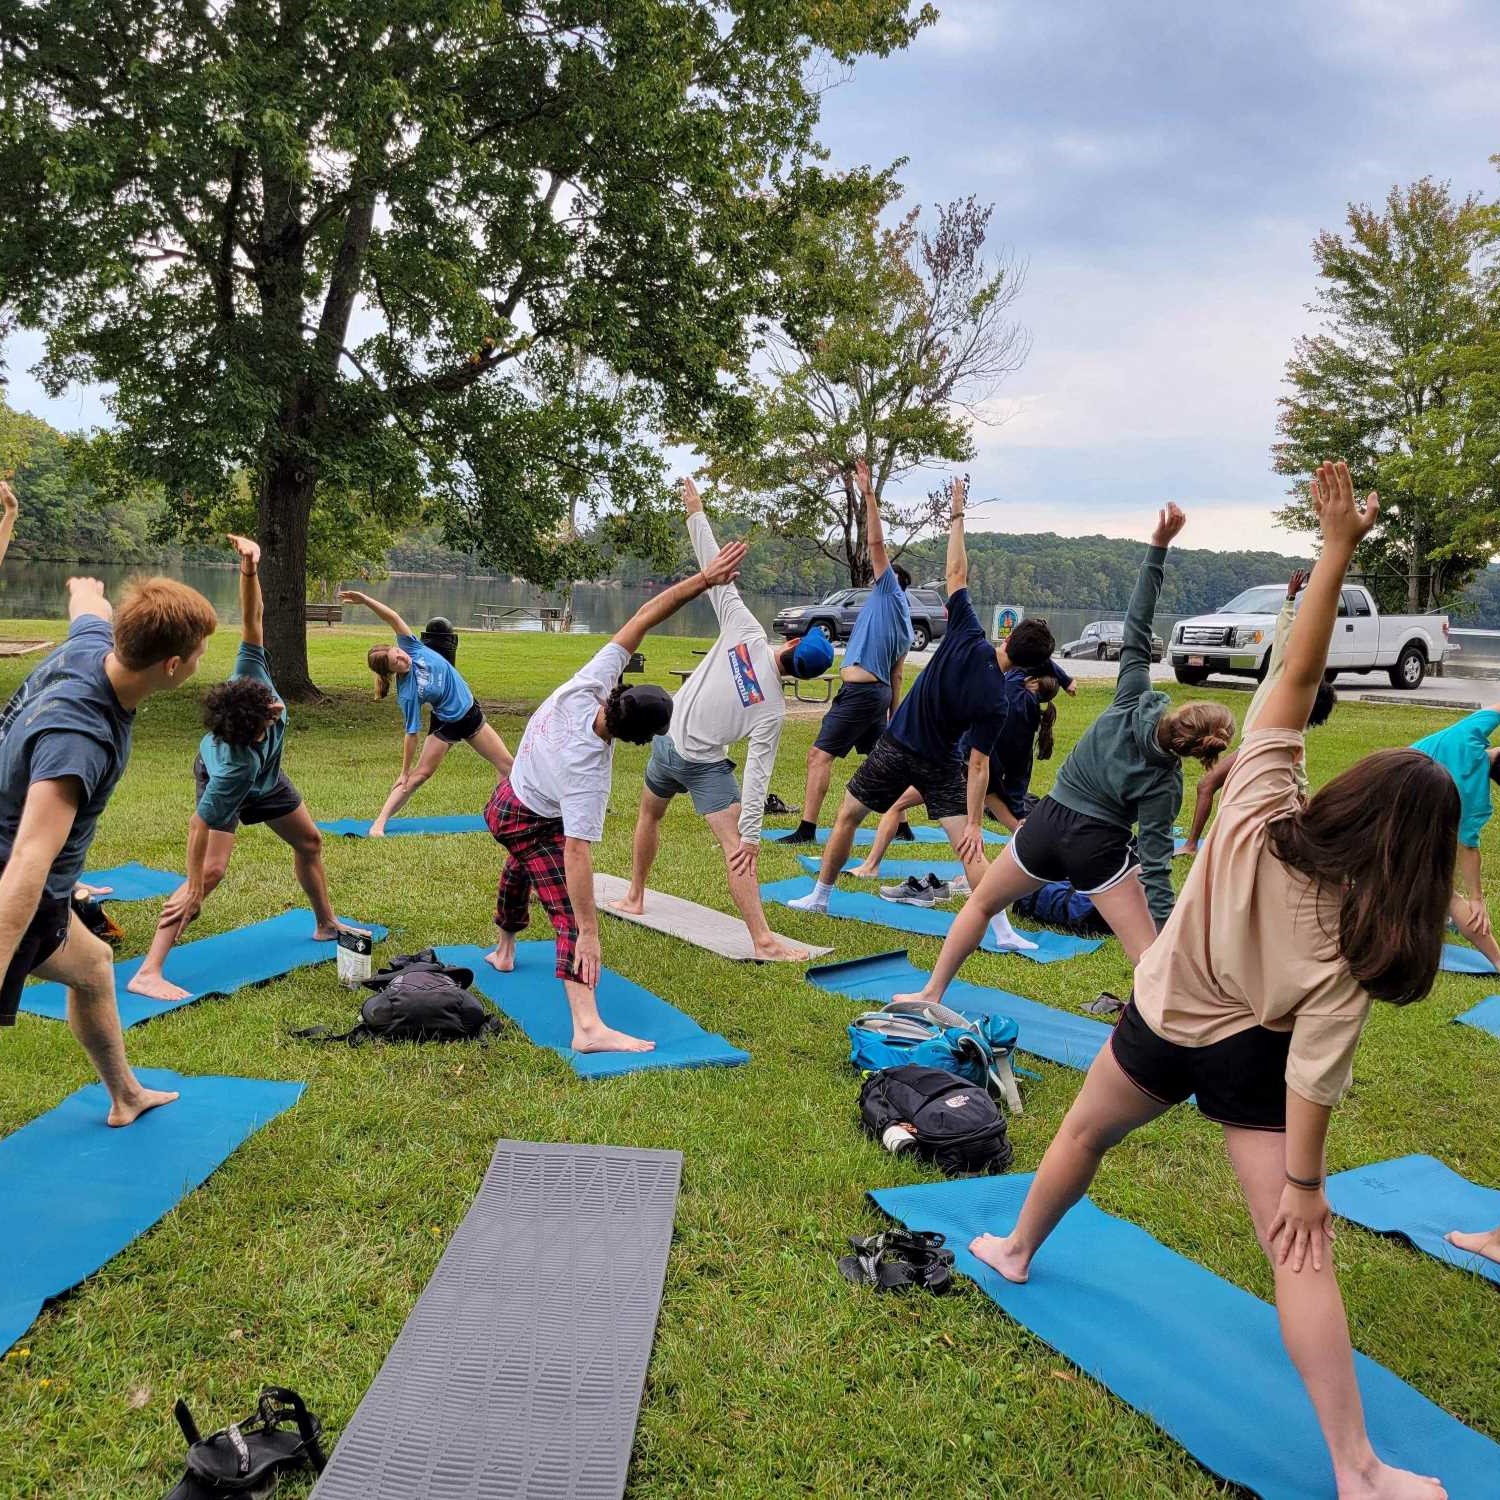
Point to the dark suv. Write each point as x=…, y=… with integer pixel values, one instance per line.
x=838, y=612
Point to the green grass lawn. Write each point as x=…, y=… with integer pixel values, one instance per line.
x=298, y=1262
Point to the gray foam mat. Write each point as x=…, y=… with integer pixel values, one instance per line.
x=520, y=1370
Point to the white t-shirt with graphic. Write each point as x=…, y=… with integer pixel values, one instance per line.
x=562, y=768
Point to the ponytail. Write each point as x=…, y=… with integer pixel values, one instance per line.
x=378, y=659
x=1197, y=731
x=1046, y=689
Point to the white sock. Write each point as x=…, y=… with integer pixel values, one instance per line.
x=1006, y=936
x=815, y=900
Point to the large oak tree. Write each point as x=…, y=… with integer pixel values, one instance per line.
x=369, y=244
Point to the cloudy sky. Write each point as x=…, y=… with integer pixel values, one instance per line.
x=1163, y=166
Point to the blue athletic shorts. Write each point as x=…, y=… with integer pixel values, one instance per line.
x=710, y=783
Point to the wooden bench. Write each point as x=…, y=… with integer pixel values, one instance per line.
x=329, y=614
x=796, y=684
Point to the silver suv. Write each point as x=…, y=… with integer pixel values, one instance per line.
x=838, y=612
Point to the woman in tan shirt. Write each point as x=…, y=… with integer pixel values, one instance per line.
x=1253, y=997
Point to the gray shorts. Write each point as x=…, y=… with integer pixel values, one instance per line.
x=710, y=783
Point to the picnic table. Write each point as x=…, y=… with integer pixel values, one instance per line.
x=496, y=616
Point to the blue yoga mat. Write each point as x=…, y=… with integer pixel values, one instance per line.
x=133, y=882
x=927, y=833
x=359, y=828
x=930, y=921
x=894, y=869
x=1202, y=1358
x=1459, y=958
x=1058, y=1035
x=78, y=1192
x=1483, y=1017
x=1420, y=1199
x=217, y=965
x=532, y=996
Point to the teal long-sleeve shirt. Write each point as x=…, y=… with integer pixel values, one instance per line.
x=1462, y=750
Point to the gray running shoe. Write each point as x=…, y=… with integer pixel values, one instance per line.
x=911, y=892
x=941, y=890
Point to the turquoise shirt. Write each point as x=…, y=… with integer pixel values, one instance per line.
x=237, y=772
x=434, y=680
x=1462, y=750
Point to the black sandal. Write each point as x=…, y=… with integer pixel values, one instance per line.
x=246, y=1458
x=898, y=1259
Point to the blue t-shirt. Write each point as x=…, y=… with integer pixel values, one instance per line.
x=432, y=679
x=65, y=721
x=882, y=629
x=1463, y=751
x=236, y=772
x=960, y=691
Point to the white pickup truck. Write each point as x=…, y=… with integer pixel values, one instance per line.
x=1236, y=638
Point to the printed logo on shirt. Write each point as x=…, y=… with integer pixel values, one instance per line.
x=746, y=683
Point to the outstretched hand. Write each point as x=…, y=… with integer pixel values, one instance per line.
x=1340, y=517
x=351, y=596
x=958, y=495
x=1296, y=583
x=862, y=476
x=1169, y=522
x=725, y=568
x=248, y=550
x=9, y=505
x=690, y=496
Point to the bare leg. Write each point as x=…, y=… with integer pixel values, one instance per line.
x=1003, y=882
x=590, y=1034
x=1463, y=919
x=1316, y=1333
x=299, y=830
x=1108, y=1107
x=487, y=742
x=643, y=850
x=149, y=979
x=819, y=773
x=434, y=748
x=1485, y=1242
x=885, y=831
x=85, y=965
x=1124, y=907
x=852, y=813
x=746, y=893
x=504, y=956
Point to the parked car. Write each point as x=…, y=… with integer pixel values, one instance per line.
x=838, y=612
x=1103, y=639
x=1236, y=638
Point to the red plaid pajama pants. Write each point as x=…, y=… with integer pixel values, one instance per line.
x=535, y=849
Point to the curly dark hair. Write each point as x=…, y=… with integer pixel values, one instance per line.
x=237, y=711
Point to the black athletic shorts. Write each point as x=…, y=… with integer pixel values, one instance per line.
x=891, y=768
x=855, y=719
x=465, y=727
x=1056, y=843
x=46, y=933
x=283, y=798
x=1239, y=1081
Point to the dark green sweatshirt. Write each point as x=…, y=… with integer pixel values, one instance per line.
x=1117, y=772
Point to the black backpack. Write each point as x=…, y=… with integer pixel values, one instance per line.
x=957, y=1125
x=416, y=998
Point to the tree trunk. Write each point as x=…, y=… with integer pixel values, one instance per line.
x=284, y=506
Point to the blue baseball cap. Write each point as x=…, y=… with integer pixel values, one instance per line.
x=813, y=654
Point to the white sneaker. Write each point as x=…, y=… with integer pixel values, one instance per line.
x=1006, y=936
x=812, y=901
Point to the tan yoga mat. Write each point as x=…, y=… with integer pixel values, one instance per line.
x=701, y=926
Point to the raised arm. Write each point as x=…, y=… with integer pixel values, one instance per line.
x=956, y=571
x=252, y=608
x=86, y=597
x=9, y=510
x=1343, y=524
x=735, y=617
x=383, y=611
x=880, y=559
x=1295, y=585
x=1135, y=645
x=722, y=569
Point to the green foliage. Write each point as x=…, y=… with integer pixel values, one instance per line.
x=364, y=244
x=888, y=341
x=1403, y=381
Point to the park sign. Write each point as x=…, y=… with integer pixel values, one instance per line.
x=1007, y=617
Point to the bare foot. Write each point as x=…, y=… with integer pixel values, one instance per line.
x=866, y=871
x=1381, y=1482
x=602, y=1038
x=1001, y=1255
x=156, y=987
x=773, y=950
x=377, y=831
x=918, y=997
x=631, y=904
x=1486, y=1242
x=128, y=1110
x=326, y=932
x=504, y=956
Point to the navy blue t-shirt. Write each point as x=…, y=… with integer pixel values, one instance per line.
x=960, y=691
x=65, y=720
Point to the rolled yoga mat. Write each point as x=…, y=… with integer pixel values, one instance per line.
x=1057, y=1035
x=359, y=828
x=217, y=965
x=929, y=921
x=1420, y=1199
x=1202, y=1358
x=521, y=1368
x=77, y=1191
x=133, y=882
x=532, y=996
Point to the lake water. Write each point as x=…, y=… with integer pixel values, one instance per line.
x=36, y=591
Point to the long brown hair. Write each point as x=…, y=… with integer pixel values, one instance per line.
x=378, y=658
x=1385, y=836
x=1196, y=731
x=1047, y=688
